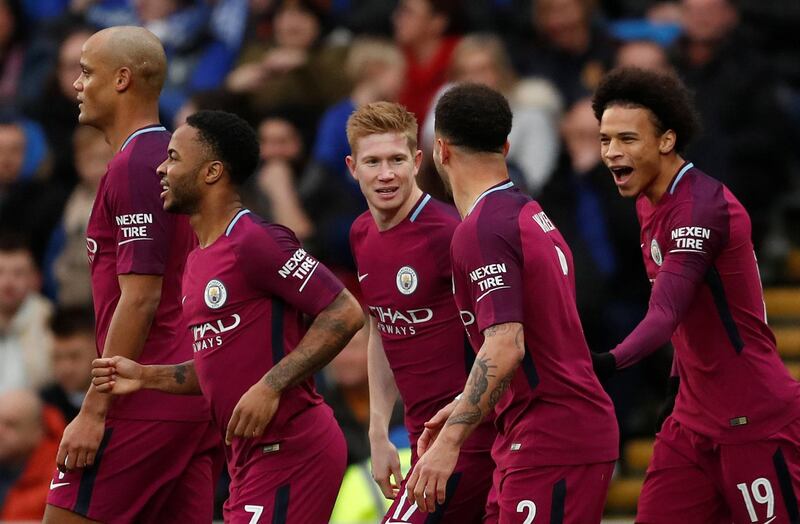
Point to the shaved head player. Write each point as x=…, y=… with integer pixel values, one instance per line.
x=417, y=344
x=246, y=289
x=729, y=451
x=149, y=457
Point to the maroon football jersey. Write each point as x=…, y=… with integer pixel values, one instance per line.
x=697, y=249
x=406, y=281
x=245, y=296
x=129, y=232
x=510, y=264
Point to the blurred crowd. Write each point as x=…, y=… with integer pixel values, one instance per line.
x=296, y=69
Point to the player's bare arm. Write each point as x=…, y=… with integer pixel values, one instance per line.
x=328, y=334
x=383, y=394
x=130, y=324
x=501, y=353
x=121, y=376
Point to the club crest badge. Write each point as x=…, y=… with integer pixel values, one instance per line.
x=655, y=252
x=215, y=294
x=407, y=280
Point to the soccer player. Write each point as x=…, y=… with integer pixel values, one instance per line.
x=515, y=288
x=149, y=457
x=729, y=450
x=417, y=344
x=245, y=290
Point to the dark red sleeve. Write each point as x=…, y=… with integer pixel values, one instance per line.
x=698, y=231
x=142, y=229
x=493, y=270
x=274, y=263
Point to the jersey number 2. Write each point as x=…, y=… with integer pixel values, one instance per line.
x=529, y=507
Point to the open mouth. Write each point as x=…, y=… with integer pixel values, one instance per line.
x=621, y=174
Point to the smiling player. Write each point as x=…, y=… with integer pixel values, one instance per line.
x=729, y=451
x=417, y=344
x=246, y=288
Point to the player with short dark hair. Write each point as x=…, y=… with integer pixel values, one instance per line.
x=245, y=291
x=514, y=285
x=417, y=346
x=165, y=446
x=729, y=450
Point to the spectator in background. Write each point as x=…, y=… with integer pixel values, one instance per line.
x=67, y=279
x=212, y=99
x=294, y=67
x=644, y=54
x=56, y=108
x=346, y=390
x=744, y=132
x=29, y=204
x=12, y=50
x=29, y=437
x=376, y=68
x=426, y=31
x=74, y=349
x=569, y=47
x=271, y=192
x=481, y=58
x=25, y=339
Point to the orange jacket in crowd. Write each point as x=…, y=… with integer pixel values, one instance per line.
x=27, y=497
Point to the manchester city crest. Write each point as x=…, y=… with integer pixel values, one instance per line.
x=215, y=294
x=407, y=280
x=655, y=252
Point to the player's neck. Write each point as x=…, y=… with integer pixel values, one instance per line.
x=213, y=218
x=127, y=122
x=388, y=220
x=669, y=168
x=473, y=179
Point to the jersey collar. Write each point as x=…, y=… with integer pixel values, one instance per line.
x=500, y=187
x=142, y=131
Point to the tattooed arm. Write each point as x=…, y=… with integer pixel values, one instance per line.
x=328, y=334
x=500, y=355
x=120, y=376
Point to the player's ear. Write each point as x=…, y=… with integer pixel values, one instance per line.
x=214, y=172
x=444, y=150
x=666, y=144
x=123, y=79
x=417, y=160
x=506, y=147
x=351, y=165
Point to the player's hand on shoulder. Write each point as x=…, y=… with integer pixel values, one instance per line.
x=253, y=412
x=80, y=441
x=116, y=375
x=386, y=467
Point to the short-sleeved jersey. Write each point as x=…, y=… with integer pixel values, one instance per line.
x=406, y=279
x=130, y=233
x=510, y=264
x=245, y=296
x=734, y=387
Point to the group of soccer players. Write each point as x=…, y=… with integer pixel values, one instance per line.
x=472, y=318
